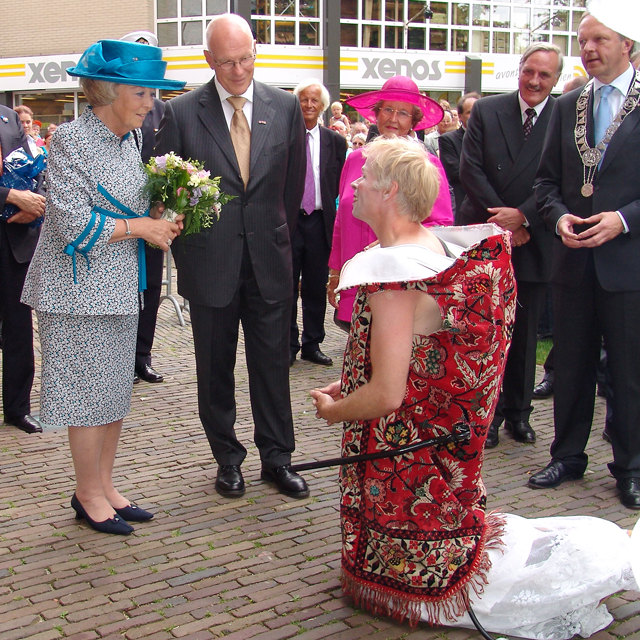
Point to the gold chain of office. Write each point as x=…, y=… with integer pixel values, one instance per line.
x=591, y=156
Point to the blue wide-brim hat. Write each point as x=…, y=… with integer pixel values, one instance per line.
x=122, y=62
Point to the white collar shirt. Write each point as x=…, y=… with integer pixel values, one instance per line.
x=228, y=109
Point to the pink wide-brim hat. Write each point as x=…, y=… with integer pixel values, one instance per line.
x=398, y=89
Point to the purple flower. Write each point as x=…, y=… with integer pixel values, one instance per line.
x=195, y=196
x=161, y=161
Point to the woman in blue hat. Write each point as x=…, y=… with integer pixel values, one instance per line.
x=88, y=269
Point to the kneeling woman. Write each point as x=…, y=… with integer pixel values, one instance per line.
x=429, y=337
x=88, y=268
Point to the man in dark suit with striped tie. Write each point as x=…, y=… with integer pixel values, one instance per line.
x=500, y=156
x=239, y=270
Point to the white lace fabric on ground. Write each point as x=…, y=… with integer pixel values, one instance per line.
x=549, y=579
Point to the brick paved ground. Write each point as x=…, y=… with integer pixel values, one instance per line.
x=263, y=567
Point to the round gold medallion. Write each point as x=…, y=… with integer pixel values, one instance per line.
x=587, y=190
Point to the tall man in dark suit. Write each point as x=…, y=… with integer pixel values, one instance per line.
x=17, y=244
x=311, y=241
x=588, y=190
x=239, y=270
x=500, y=155
x=450, y=144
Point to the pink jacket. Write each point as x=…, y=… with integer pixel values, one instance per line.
x=350, y=236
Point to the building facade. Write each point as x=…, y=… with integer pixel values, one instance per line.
x=428, y=41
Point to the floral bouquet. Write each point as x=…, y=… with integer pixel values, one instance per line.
x=183, y=186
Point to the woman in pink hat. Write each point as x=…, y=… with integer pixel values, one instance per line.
x=398, y=109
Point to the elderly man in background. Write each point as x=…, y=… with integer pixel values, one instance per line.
x=500, y=155
x=588, y=191
x=311, y=241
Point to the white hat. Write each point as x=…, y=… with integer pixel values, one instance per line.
x=134, y=36
x=621, y=16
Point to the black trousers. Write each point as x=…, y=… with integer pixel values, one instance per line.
x=583, y=316
x=310, y=254
x=149, y=315
x=17, y=334
x=520, y=370
x=266, y=336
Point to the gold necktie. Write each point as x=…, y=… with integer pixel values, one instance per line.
x=241, y=137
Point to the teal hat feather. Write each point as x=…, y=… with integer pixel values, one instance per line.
x=125, y=63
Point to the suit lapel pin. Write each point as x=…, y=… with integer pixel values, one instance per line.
x=262, y=122
x=4, y=118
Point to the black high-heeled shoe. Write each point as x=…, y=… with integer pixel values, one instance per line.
x=113, y=525
x=133, y=513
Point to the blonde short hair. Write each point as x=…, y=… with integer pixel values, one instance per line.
x=406, y=163
x=98, y=93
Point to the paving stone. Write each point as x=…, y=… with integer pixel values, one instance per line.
x=264, y=566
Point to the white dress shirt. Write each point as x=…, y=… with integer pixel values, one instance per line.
x=227, y=107
x=314, y=147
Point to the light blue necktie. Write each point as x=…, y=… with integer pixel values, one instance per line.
x=604, y=116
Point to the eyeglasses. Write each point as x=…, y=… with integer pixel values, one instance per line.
x=388, y=111
x=357, y=143
x=245, y=63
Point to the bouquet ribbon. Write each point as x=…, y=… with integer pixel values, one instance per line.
x=74, y=247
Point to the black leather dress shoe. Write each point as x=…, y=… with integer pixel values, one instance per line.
x=27, y=423
x=521, y=431
x=553, y=475
x=136, y=378
x=292, y=359
x=629, y=492
x=543, y=389
x=229, y=482
x=287, y=481
x=317, y=357
x=493, y=439
x=147, y=373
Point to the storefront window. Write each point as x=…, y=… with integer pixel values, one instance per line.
x=262, y=29
x=460, y=40
x=440, y=13
x=261, y=7
x=168, y=34
x=562, y=42
x=393, y=38
x=437, y=39
x=480, y=42
x=371, y=36
x=309, y=8
x=284, y=8
x=480, y=15
x=349, y=9
x=501, y=41
x=521, y=18
x=520, y=42
x=371, y=9
x=348, y=35
x=216, y=7
x=191, y=8
x=192, y=33
x=416, y=11
x=417, y=39
x=285, y=32
x=460, y=14
x=393, y=11
x=309, y=33
x=501, y=17
x=51, y=108
x=167, y=9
